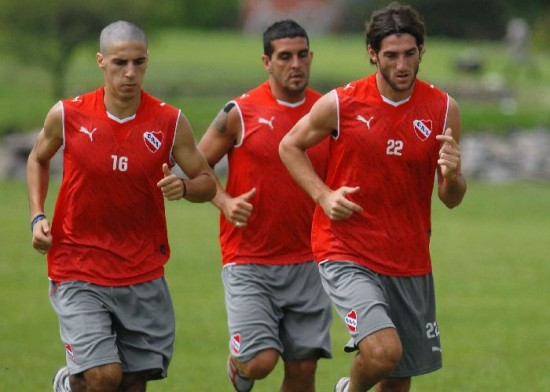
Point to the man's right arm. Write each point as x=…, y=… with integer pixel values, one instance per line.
x=48, y=142
x=309, y=131
x=222, y=135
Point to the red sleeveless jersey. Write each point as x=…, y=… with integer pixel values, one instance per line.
x=109, y=225
x=279, y=230
x=390, y=151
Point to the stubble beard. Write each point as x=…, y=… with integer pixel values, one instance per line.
x=387, y=78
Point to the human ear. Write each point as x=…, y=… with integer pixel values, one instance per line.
x=100, y=60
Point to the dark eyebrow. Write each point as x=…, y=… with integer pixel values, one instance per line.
x=411, y=50
x=125, y=60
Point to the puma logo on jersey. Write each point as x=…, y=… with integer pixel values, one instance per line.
x=348, y=86
x=269, y=123
x=89, y=133
x=76, y=99
x=364, y=120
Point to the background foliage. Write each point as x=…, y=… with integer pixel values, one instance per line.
x=47, y=33
x=465, y=19
x=199, y=71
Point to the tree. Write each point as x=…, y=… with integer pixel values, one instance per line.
x=464, y=19
x=211, y=14
x=47, y=33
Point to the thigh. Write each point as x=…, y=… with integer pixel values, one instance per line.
x=412, y=309
x=252, y=318
x=305, y=327
x=145, y=327
x=85, y=325
x=359, y=299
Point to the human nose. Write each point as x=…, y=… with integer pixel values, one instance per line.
x=402, y=63
x=296, y=62
x=130, y=70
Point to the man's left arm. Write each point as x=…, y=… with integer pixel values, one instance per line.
x=452, y=185
x=199, y=186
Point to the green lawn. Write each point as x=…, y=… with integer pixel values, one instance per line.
x=199, y=71
x=491, y=266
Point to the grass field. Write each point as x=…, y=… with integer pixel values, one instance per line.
x=490, y=261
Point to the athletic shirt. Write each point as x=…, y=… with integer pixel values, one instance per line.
x=109, y=225
x=390, y=151
x=279, y=229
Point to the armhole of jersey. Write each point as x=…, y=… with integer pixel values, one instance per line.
x=243, y=130
x=63, y=124
x=446, y=114
x=172, y=159
x=335, y=134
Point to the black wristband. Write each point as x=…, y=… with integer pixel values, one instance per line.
x=37, y=219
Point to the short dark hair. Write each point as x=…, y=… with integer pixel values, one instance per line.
x=282, y=29
x=394, y=19
x=120, y=30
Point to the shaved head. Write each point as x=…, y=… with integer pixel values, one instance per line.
x=120, y=31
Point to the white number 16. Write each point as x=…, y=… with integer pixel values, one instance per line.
x=120, y=163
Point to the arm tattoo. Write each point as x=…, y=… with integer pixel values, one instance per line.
x=228, y=106
x=220, y=122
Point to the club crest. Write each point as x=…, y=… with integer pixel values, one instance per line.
x=69, y=350
x=351, y=321
x=153, y=140
x=235, y=343
x=422, y=128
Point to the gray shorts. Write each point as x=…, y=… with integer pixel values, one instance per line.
x=131, y=325
x=368, y=302
x=282, y=307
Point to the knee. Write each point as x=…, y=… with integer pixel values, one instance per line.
x=103, y=378
x=386, y=358
x=381, y=352
x=301, y=369
x=259, y=366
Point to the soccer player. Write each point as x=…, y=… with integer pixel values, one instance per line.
x=107, y=245
x=389, y=134
x=275, y=303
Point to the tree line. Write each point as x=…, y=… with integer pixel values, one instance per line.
x=46, y=33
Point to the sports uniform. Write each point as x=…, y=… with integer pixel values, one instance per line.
x=390, y=151
x=109, y=186
x=272, y=254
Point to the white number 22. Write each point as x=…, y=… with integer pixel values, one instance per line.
x=432, y=331
x=394, y=147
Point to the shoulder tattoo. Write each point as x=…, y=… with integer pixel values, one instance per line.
x=220, y=122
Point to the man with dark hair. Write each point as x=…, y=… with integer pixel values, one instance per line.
x=275, y=303
x=389, y=134
x=108, y=244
